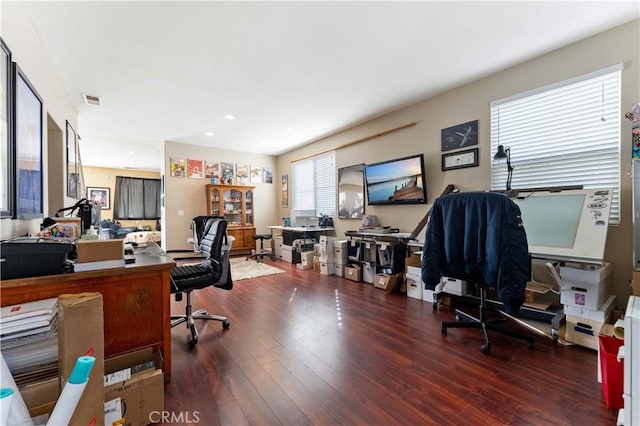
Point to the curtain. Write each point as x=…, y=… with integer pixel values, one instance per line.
x=136, y=198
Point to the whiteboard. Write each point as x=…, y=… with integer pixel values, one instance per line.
x=566, y=225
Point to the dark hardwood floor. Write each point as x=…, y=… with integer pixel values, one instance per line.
x=305, y=349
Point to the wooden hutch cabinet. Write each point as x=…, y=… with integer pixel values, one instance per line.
x=235, y=203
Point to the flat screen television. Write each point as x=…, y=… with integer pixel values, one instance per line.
x=399, y=181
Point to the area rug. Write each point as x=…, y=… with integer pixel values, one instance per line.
x=242, y=269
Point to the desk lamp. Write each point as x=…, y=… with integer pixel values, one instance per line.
x=505, y=153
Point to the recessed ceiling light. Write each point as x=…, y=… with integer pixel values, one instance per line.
x=230, y=117
x=209, y=134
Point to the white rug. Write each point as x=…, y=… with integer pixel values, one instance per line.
x=242, y=269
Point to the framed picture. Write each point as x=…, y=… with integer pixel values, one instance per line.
x=73, y=175
x=194, y=170
x=256, y=174
x=285, y=191
x=212, y=171
x=177, y=167
x=460, y=136
x=100, y=196
x=28, y=147
x=460, y=159
x=242, y=174
x=7, y=191
x=227, y=173
x=267, y=175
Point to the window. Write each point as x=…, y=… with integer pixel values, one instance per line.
x=136, y=198
x=314, y=184
x=560, y=135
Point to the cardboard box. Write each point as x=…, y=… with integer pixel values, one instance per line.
x=41, y=397
x=306, y=258
x=454, y=286
x=142, y=393
x=414, y=286
x=326, y=268
x=80, y=330
x=338, y=269
x=588, y=275
x=428, y=295
x=302, y=266
x=97, y=250
x=316, y=264
x=287, y=253
x=635, y=283
x=415, y=261
x=585, y=287
x=387, y=282
x=599, y=315
x=585, y=295
x=353, y=272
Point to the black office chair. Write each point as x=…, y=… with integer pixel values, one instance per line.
x=214, y=270
x=260, y=253
x=479, y=237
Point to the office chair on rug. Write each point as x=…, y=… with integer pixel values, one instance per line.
x=213, y=270
x=479, y=237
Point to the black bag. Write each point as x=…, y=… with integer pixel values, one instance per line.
x=85, y=212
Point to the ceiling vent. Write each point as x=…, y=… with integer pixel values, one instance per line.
x=91, y=100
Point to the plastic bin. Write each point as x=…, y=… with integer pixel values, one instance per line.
x=612, y=371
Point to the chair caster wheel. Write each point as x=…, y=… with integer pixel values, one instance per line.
x=226, y=325
x=458, y=318
x=443, y=331
x=485, y=348
x=192, y=343
x=531, y=345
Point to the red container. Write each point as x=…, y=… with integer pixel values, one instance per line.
x=612, y=371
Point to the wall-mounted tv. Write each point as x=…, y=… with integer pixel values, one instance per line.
x=399, y=181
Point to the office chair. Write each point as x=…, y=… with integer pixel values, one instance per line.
x=260, y=253
x=479, y=237
x=214, y=270
x=199, y=226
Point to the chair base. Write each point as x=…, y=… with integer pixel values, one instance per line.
x=465, y=320
x=260, y=254
x=189, y=317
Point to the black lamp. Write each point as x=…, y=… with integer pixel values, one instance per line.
x=505, y=153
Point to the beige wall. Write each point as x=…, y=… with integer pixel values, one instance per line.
x=102, y=177
x=471, y=102
x=28, y=52
x=185, y=198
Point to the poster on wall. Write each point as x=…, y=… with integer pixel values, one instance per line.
x=177, y=167
x=285, y=191
x=212, y=171
x=194, y=170
x=460, y=136
x=256, y=174
x=267, y=174
x=227, y=173
x=242, y=174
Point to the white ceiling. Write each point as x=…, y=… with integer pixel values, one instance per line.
x=291, y=72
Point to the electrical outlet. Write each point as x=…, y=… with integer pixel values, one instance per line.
x=180, y=212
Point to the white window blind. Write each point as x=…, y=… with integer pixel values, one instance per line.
x=560, y=135
x=314, y=184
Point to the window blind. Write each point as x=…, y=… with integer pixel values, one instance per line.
x=564, y=134
x=314, y=184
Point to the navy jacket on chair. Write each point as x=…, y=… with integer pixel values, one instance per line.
x=478, y=234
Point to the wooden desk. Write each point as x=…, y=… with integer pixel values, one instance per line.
x=136, y=300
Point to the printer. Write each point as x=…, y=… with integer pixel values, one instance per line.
x=32, y=256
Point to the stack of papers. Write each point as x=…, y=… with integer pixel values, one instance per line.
x=29, y=339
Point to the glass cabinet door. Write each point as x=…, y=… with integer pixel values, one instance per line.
x=248, y=217
x=215, y=202
x=233, y=207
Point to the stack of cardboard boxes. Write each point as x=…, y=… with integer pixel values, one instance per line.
x=587, y=304
x=326, y=255
x=340, y=255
